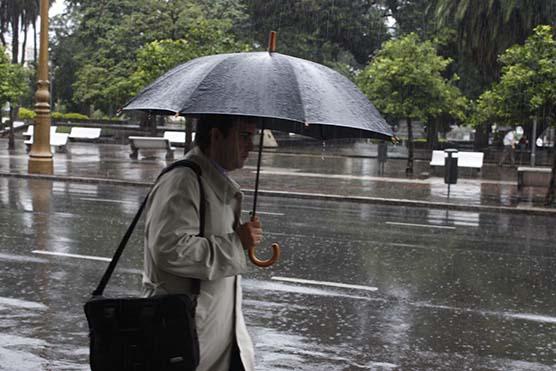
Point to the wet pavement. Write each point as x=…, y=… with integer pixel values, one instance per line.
x=360, y=285
x=328, y=172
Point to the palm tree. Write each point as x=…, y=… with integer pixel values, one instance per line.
x=16, y=16
x=30, y=14
x=486, y=28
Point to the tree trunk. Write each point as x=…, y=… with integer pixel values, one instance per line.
x=481, y=137
x=24, y=44
x=549, y=199
x=432, y=134
x=410, y=147
x=35, y=41
x=11, y=134
x=15, y=38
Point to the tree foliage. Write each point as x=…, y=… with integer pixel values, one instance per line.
x=108, y=34
x=485, y=28
x=527, y=86
x=157, y=57
x=404, y=81
x=332, y=32
x=13, y=80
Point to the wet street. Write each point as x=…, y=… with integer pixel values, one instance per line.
x=358, y=287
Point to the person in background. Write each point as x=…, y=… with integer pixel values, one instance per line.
x=510, y=141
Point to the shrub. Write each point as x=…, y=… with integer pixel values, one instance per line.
x=56, y=115
x=75, y=116
x=26, y=114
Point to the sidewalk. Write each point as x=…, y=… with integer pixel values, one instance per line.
x=329, y=174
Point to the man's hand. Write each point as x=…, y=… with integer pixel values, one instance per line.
x=250, y=233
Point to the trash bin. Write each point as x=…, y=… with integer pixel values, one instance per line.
x=450, y=166
x=382, y=155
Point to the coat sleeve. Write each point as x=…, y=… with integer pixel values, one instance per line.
x=172, y=226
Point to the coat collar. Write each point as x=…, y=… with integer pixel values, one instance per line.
x=224, y=187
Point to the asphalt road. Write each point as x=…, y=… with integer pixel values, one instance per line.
x=358, y=287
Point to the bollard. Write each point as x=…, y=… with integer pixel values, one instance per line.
x=382, y=155
x=450, y=166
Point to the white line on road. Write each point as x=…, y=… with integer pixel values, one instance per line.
x=88, y=257
x=421, y=225
x=22, y=303
x=324, y=283
x=263, y=212
x=104, y=200
x=342, y=176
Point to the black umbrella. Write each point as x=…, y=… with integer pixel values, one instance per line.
x=287, y=93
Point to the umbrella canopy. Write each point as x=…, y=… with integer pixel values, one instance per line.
x=286, y=93
x=290, y=94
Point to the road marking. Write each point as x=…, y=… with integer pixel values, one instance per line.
x=343, y=176
x=88, y=257
x=263, y=212
x=324, y=283
x=421, y=225
x=105, y=200
x=22, y=303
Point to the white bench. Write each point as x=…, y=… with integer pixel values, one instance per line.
x=78, y=132
x=16, y=124
x=528, y=176
x=177, y=137
x=57, y=140
x=465, y=159
x=29, y=132
x=150, y=143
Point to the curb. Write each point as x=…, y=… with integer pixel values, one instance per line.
x=313, y=196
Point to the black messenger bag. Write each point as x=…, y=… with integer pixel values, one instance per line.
x=157, y=333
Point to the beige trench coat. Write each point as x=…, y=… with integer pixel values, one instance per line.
x=174, y=253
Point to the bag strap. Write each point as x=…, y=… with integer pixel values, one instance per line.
x=110, y=269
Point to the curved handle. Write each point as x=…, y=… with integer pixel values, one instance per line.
x=264, y=263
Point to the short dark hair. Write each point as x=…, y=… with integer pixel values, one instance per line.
x=223, y=123
x=206, y=123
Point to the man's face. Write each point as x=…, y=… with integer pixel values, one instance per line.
x=231, y=152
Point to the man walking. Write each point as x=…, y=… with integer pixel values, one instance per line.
x=176, y=256
x=509, y=148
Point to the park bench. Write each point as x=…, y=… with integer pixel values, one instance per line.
x=27, y=134
x=82, y=133
x=528, y=176
x=465, y=159
x=57, y=140
x=150, y=143
x=177, y=137
x=17, y=125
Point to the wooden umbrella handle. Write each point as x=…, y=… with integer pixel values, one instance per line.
x=264, y=263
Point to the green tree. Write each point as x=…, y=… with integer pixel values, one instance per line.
x=484, y=29
x=13, y=85
x=527, y=87
x=334, y=32
x=405, y=81
x=100, y=40
x=158, y=57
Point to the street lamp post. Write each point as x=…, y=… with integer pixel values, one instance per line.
x=40, y=157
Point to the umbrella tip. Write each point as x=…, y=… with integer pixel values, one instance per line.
x=272, y=42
